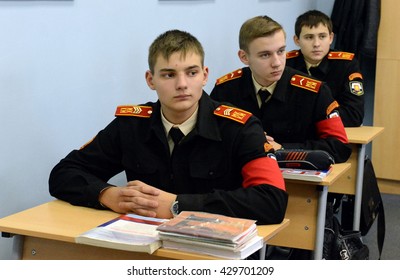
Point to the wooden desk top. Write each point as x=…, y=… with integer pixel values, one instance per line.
x=59, y=220
x=56, y=220
x=363, y=134
x=338, y=170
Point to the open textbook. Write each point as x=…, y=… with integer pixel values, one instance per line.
x=127, y=232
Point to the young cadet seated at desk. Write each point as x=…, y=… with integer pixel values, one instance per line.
x=298, y=112
x=340, y=70
x=219, y=165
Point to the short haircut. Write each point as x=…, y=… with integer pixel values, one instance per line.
x=173, y=41
x=257, y=27
x=311, y=19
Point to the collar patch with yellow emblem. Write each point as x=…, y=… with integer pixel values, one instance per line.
x=231, y=76
x=232, y=113
x=134, y=111
x=306, y=83
x=341, y=55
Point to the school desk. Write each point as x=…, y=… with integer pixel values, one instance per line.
x=352, y=182
x=48, y=232
x=306, y=211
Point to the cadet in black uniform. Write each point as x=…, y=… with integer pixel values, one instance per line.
x=340, y=70
x=299, y=112
x=219, y=165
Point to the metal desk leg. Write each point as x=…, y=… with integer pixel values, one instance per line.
x=319, y=240
x=359, y=187
x=18, y=243
x=263, y=251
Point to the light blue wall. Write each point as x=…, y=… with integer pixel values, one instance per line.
x=66, y=65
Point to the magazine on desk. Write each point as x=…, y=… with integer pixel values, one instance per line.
x=212, y=234
x=128, y=232
x=305, y=175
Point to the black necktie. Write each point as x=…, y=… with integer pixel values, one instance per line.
x=176, y=134
x=313, y=71
x=264, y=95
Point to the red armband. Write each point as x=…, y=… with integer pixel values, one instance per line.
x=332, y=127
x=263, y=170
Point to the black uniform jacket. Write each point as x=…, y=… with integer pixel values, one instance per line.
x=343, y=76
x=297, y=118
x=219, y=167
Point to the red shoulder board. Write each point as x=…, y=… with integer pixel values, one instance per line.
x=292, y=54
x=231, y=76
x=134, y=111
x=306, y=83
x=232, y=113
x=341, y=55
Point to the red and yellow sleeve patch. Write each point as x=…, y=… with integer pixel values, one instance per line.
x=341, y=55
x=355, y=75
x=292, y=54
x=306, y=83
x=134, y=111
x=331, y=107
x=232, y=113
x=231, y=76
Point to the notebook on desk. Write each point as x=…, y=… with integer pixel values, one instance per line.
x=305, y=175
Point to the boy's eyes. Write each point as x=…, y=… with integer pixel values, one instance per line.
x=310, y=37
x=167, y=75
x=266, y=55
x=173, y=74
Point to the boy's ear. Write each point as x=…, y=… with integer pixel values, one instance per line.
x=149, y=79
x=296, y=40
x=243, y=57
x=331, y=37
x=205, y=73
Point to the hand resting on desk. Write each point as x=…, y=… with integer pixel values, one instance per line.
x=139, y=198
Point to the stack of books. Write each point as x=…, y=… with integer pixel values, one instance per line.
x=211, y=234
